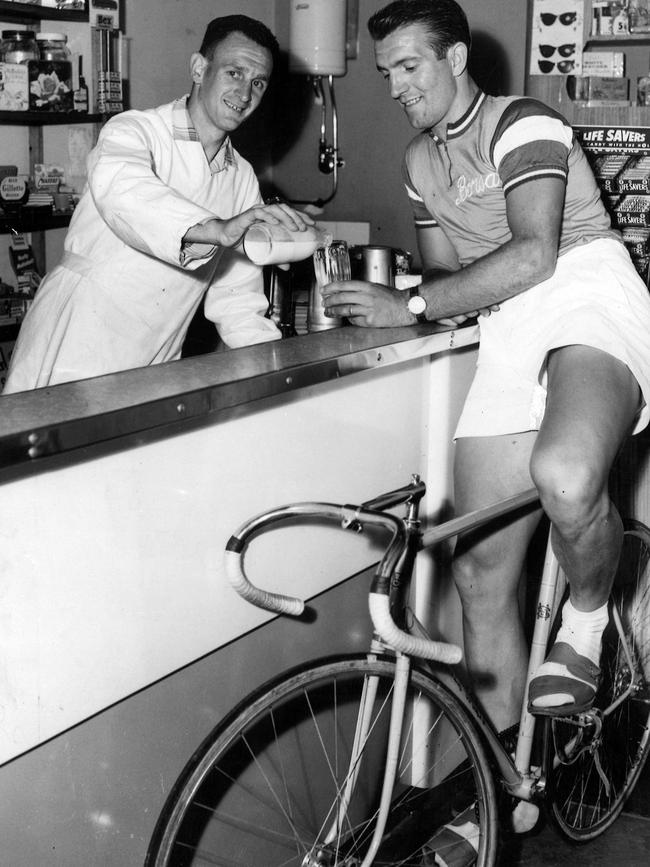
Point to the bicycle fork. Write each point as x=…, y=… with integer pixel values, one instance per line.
x=363, y=729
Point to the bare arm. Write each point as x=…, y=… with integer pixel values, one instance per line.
x=534, y=213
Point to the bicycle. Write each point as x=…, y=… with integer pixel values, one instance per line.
x=355, y=761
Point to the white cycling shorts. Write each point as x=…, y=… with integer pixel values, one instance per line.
x=594, y=298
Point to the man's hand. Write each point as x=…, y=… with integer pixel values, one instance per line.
x=229, y=233
x=374, y=305
x=371, y=305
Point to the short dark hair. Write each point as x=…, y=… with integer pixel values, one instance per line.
x=444, y=20
x=219, y=28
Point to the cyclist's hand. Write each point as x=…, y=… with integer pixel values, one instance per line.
x=229, y=233
x=371, y=305
x=485, y=311
x=454, y=321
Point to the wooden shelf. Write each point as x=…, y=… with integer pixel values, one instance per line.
x=32, y=12
x=626, y=38
x=32, y=221
x=45, y=118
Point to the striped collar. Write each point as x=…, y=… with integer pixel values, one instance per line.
x=458, y=127
x=183, y=130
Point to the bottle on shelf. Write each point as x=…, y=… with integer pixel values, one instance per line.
x=18, y=46
x=53, y=46
x=50, y=77
x=639, y=11
x=620, y=19
x=80, y=100
x=643, y=89
x=605, y=26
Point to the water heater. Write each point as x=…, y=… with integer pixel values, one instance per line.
x=317, y=37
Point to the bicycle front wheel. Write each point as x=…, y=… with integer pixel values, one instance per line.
x=595, y=769
x=275, y=784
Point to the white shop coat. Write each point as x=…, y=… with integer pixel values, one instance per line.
x=125, y=291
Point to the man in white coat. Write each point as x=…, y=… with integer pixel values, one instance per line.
x=159, y=227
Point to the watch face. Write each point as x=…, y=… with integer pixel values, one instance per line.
x=417, y=304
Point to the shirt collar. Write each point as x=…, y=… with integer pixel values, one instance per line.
x=183, y=130
x=458, y=127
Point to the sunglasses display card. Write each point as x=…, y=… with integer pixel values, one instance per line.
x=557, y=37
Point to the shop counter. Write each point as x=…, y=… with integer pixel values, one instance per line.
x=118, y=494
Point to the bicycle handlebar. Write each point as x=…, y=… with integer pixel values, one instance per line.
x=350, y=517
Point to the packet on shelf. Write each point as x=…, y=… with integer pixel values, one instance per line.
x=14, y=87
x=48, y=178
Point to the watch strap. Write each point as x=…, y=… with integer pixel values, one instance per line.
x=421, y=318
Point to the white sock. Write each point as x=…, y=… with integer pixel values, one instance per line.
x=583, y=630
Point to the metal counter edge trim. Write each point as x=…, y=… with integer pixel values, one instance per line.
x=79, y=420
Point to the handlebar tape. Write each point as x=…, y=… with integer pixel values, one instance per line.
x=262, y=598
x=387, y=629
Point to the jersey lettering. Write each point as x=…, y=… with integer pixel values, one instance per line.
x=475, y=186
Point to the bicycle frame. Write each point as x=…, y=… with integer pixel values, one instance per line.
x=408, y=639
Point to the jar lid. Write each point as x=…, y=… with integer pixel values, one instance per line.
x=51, y=37
x=17, y=34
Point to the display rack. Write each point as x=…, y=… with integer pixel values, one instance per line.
x=30, y=220
x=610, y=135
x=552, y=89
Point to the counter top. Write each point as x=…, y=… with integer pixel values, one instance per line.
x=78, y=420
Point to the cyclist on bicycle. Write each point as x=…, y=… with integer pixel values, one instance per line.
x=510, y=223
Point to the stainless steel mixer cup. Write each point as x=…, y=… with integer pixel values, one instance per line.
x=374, y=263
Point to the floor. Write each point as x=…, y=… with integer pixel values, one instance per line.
x=626, y=844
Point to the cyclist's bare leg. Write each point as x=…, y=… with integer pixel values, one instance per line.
x=487, y=570
x=592, y=402
x=591, y=405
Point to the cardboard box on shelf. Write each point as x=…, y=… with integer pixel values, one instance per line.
x=607, y=64
x=596, y=87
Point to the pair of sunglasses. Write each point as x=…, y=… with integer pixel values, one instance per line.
x=563, y=50
x=549, y=18
x=563, y=66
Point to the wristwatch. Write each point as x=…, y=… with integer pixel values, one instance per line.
x=417, y=305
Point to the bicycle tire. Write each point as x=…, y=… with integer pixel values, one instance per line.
x=262, y=786
x=588, y=794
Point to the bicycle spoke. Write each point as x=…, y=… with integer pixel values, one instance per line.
x=589, y=791
x=267, y=793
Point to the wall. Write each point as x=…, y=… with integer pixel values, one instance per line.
x=163, y=33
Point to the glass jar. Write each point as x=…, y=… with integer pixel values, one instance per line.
x=53, y=46
x=18, y=46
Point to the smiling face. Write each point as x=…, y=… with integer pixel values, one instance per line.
x=229, y=86
x=427, y=88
